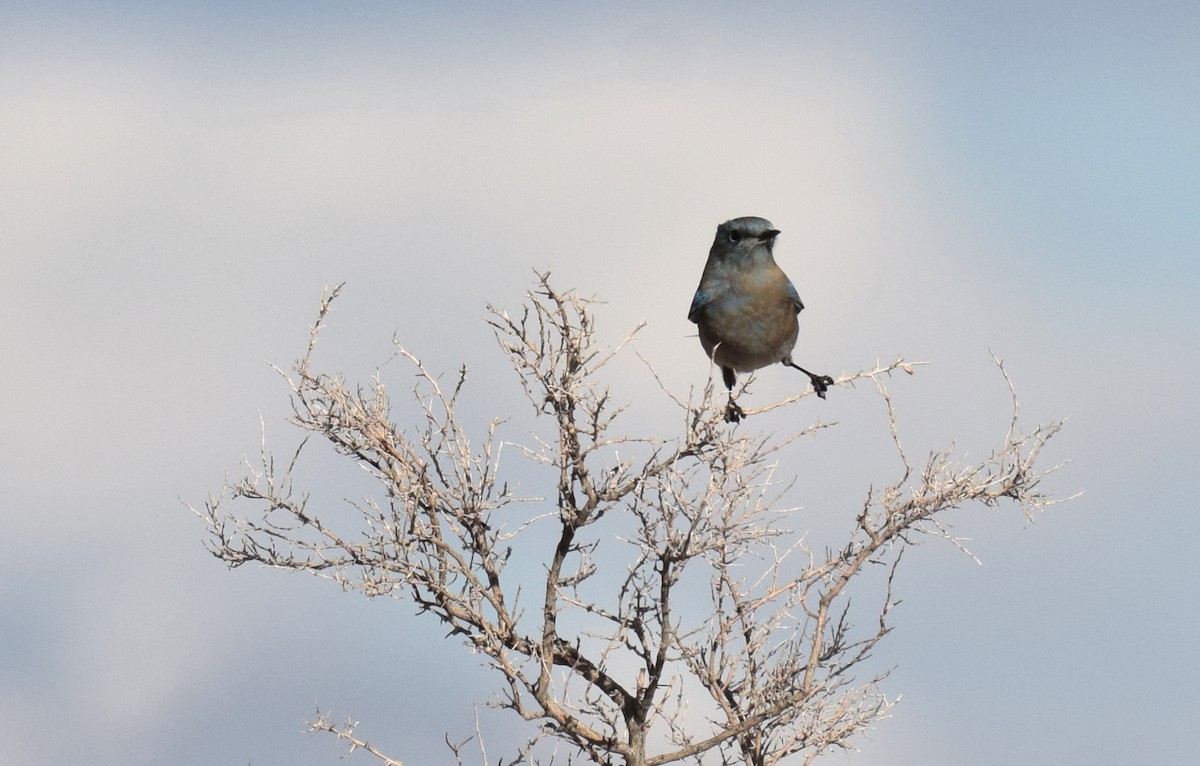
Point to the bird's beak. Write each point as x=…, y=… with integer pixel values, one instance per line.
x=769, y=235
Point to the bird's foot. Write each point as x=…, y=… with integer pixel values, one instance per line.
x=821, y=384
x=733, y=413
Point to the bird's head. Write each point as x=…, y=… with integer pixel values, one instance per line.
x=744, y=238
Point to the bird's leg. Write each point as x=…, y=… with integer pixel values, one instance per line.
x=820, y=383
x=733, y=413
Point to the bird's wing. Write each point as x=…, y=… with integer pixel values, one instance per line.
x=794, y=297
x=699, y=301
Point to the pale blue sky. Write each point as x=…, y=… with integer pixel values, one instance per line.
x=179, y=182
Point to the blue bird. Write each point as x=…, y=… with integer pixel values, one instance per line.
x=746, y=308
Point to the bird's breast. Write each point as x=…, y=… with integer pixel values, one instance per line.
x=751, y=320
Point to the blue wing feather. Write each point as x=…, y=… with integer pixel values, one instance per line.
x=794, y=296
x=699, y=301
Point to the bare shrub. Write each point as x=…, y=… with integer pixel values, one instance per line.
x=608, y=651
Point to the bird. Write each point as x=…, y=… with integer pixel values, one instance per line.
x=746, y=308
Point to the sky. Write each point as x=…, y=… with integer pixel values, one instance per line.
x=180, y=182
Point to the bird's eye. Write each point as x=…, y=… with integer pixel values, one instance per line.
x=734, y=235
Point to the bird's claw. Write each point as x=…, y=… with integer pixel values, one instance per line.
x=733, y=413
x=821, y=384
